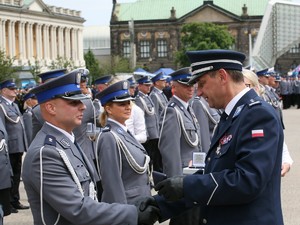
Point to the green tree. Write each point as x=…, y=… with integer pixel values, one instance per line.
x=6, y=66
x=92, y=65
x=202, y=36
x=120, y=65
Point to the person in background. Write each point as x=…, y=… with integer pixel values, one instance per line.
x=12, y=120
x=251, y=81
x=136, y=122
x=30, y=101
x=160, y=102
x=180, y=136
x=118, y=153
x=143, y=101
x=100, y=85
x=58, y=177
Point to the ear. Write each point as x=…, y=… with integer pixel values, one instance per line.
x=223, y=75
x=50, y=107
x=107, y=109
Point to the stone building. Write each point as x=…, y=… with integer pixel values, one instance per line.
x=156, y=26
x=32, y=31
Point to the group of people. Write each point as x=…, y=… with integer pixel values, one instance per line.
x=92, y=157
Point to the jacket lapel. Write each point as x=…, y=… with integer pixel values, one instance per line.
x=234, y=113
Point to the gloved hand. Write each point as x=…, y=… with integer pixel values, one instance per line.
x=148, y=211
x=171, y=188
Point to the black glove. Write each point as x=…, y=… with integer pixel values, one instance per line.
x=171, y=188
x=148, y=211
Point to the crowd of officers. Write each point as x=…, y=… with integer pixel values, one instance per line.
x=127, y=129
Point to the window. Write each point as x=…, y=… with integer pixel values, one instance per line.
x=295, y=49
x=145, y=49
x=126, y=49
x=162, y=49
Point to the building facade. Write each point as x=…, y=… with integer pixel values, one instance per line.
x=153, y=26
x=31, y=31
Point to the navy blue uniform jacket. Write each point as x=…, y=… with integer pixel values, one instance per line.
x=241, y=184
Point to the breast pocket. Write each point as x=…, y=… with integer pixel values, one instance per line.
x=190, y=130
x=82, y=173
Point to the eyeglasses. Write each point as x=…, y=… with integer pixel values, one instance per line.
x=248, y=85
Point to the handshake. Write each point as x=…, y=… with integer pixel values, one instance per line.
x=148, y=210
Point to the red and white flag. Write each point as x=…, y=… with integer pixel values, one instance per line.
x=257, y=133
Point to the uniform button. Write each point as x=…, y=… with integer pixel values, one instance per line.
x=208, y=159
x=195, y=203
x=204, y=221
x=87, y=174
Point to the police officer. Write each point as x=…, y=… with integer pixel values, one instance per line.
x=37, y=119
x=136, y=122
x=30, y=101
x=146, y=104
x=100, y=85
x=58, y=177
x=119, y=155
x=160, y=102
x=180, y=135
x=12, y=120
x=267, y=78
x=237, y=186
x=5, y=175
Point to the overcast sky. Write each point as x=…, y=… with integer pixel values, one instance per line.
x=95, y=12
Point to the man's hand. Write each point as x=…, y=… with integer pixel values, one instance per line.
x=148, y=211
x=171, y=188
x=285, y=168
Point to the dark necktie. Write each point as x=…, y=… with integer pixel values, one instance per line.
x=221, y=122
x=130, y=133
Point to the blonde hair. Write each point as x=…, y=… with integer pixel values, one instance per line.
x=253, y=78
x=104, y=115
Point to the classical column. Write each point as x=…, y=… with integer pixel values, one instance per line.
x=46, y=42
x=68, y=43
x=29, y=40
x=60, y=42
x=74, y=45
x=53, y=43
x=38, y=41
x=2, y=35
x=80, y=46
x=11, y=39
x=22, y=49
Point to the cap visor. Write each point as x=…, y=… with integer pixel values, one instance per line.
x=194, y=79
x=76, y=97
x=123, y=99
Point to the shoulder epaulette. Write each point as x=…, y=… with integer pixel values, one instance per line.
x=106, y=128
x=50, y=140
x=253, y=103
x=172, y=104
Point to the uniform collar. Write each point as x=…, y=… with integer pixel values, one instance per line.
x=233, y=101
x=114, y=121
x=68, y=135
x=6, y=99
x=185, y=104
